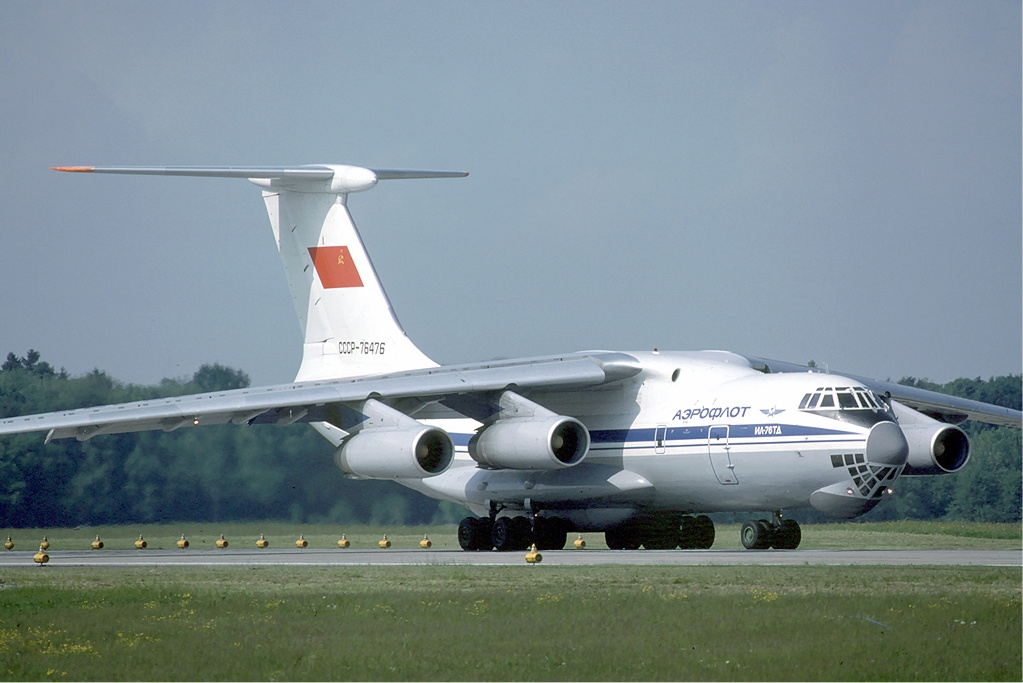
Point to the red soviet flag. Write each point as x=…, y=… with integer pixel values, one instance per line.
x=335, y=267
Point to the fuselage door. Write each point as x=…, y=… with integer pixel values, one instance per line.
x=717, y=445
x=660, y=434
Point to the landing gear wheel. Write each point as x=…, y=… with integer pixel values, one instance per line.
x=622, y=538
x=523, y=533
x=467, y=533
x=703, y=534
x=755, y=535
x=687, y=533
x=788, y=535
x=503, y=534
x=766, y=531
x=510, y=533
x=661, y=534
x=474, y=534
x=550, y=533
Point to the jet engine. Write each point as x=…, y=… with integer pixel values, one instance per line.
x=527, y=436
x=531, y=444
x=387, y=444
x=396, y=453
x=934, y=447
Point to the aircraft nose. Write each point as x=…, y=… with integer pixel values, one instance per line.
x=887, y=445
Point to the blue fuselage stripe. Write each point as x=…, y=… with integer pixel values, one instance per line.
x=765, y=434
x=746, y=431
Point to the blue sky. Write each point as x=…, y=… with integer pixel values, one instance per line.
x=829, y=181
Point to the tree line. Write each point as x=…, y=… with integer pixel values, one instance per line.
x=263, y=472
x=217, y=473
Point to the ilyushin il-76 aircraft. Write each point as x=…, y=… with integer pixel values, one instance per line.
x=638, y=445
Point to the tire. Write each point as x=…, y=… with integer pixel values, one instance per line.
x=468, y=533
x=621, y=538
x=788, y=535
x=486, y=537
x=523, y=533
x=754, y=536
x=550, y=533
x=614, y=539
x=704, y=532
x=661, y=533
x=767, y=533
x=503, y=534
x=687, y=533
x=474, y=534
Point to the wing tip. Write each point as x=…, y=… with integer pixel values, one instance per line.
x=73, y=169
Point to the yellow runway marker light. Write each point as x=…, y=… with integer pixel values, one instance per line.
x=534, y=557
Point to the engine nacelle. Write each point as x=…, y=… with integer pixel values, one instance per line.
x=934, y=447
x=396, y=453
x=937, y=449
x=535, y=443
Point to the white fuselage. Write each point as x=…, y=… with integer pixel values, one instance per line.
x=692, y=432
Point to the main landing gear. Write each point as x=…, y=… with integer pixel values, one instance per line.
x=780, y=534
x=653, y=532
x=512, y=533
x=662, y=532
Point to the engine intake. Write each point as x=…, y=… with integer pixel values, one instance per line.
x=941, y=449
x=934, y=447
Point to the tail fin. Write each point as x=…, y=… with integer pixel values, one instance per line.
x=348, y=325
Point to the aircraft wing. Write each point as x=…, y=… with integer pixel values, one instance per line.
x=941, y=407
x=322, y=400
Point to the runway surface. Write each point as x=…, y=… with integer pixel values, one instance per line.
x=365, y=557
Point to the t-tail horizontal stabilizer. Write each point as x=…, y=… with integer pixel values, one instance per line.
x=330, y=178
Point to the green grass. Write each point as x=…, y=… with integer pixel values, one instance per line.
x=909, y=535
x=964, y=529
x=511, y=623
x=912, y=535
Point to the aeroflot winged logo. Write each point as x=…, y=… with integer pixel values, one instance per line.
x=335, y=267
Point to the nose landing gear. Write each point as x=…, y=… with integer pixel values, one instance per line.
x=779, y=534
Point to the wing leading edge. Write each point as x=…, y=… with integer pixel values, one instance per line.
x=285, y=404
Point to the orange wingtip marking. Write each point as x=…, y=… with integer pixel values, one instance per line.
x=73, y=169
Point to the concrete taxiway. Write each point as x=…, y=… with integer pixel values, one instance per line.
x=365, y=557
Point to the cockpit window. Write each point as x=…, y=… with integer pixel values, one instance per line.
x=846, y=400
x=866, y=399
x=849, y=404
